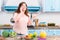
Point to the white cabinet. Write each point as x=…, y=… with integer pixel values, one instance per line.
x=1, y=2
x=51, y=5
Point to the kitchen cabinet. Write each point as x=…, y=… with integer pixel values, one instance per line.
x=12, y=5
x=51, y=5
x=1, y=2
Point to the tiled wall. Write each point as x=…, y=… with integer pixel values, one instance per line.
x=43, y=17
x=49, y=17
x=5, y=18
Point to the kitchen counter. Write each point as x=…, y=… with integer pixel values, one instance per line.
x=6, y=27
x=49, y=27
x=32, y=27
x=49, y=30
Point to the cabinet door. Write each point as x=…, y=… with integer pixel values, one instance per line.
x=57, y=32
x=51, y=5
x=1, y=1
x=57, y=5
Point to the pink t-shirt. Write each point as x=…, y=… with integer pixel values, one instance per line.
x=21, y=25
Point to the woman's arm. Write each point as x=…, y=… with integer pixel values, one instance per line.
x=15, y=17
x=29, y=20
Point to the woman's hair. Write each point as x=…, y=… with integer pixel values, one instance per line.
x=18, y=10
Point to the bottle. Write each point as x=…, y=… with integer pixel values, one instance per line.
x=36, y=23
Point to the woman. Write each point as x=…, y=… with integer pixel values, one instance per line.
x=21, y=19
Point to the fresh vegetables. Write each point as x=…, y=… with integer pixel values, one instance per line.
x=5, y=34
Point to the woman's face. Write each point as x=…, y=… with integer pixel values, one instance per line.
x=23, y=7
